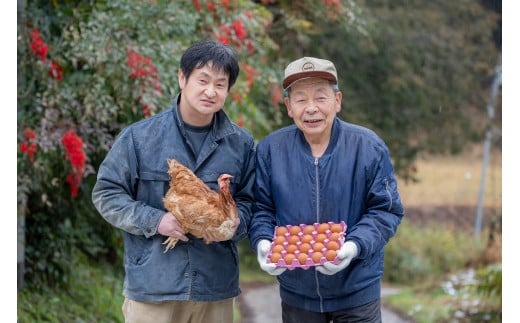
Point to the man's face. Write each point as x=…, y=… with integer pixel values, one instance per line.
x=203, y=94
x=313, y=105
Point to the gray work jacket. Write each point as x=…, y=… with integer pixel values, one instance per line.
x=133, y=179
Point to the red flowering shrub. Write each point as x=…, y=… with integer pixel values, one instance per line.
x=74, y=150
x=38, y=46
x=240, y=29
x=142, y=69
x=29, y=147
x=29, y=134
x=196, y=5
x=40, y=50
x=76, y=155
x=140, y=66
x=56, y=71
x=251, y=74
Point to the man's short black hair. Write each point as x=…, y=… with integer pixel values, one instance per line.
x=221, y=56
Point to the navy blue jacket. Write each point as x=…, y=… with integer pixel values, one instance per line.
x=353, y=182
x=133, y=179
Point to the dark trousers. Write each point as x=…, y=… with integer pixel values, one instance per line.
x=369, y=313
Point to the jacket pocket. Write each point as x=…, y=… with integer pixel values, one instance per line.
x=137, y=249
x=152, y=187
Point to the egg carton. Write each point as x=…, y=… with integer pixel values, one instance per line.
x=292, y=239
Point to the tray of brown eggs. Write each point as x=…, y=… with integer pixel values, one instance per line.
x=306, y=245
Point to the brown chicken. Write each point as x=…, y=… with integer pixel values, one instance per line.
x=199, y=209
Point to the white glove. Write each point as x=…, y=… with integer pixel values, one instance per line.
x=345, y=254
x=262, y=253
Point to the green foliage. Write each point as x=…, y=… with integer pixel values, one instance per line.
x=92, y=294
x=51, y=236
x=419, y=254
x=489, y=280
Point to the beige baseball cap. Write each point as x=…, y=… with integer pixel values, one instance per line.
x=306, y=67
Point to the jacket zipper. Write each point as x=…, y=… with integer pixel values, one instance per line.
x=318, y=221
x=317, y=190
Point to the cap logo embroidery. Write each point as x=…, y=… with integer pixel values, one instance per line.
x=308, y=67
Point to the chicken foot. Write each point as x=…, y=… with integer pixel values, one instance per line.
x=170, y=243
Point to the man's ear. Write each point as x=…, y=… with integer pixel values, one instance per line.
x=288, y=106
x=338, y=97
x=181, y=78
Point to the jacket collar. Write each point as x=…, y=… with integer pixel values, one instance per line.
x=334, y=134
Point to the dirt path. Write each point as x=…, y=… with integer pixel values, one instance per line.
x=260, y=303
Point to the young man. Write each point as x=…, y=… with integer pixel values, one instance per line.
x=318, y=170
x=195, y=281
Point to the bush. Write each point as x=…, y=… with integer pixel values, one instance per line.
x=420, y=254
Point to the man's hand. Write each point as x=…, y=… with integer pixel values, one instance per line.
x=262, y=253
x=346, y=253
x=170, y=227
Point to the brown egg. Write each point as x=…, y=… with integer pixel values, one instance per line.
x=289, y=258
x=316, y=257
x=308, y=229
x=278, y=248
x=332, y=245
x=291, y=248
x=334, y=236
x=302, y=258
x=323, y=227
x=305, y=247
x=336, y=227
x=280, y=231
x=275, y=256
x=318, y=246
x=294, y=230
x=320, y=237
x=293, y=239
x=307, y=238
x=279, y=240
x=330, y=255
